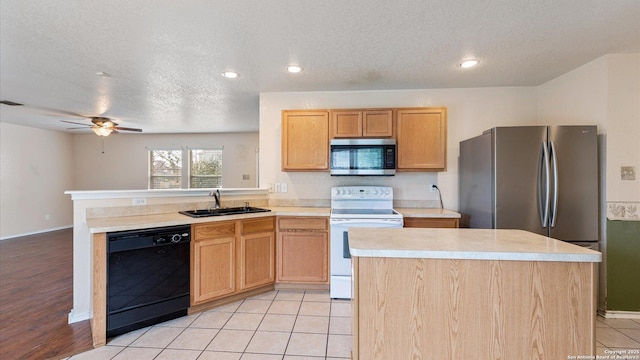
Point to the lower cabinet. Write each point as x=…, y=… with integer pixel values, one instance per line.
x=229, y=257
x=414, y=222
x=257, y=253
x=303, y=250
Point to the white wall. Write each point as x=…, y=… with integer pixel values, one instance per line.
x=470, y=111
x=605, y=92
x=36, y=167
x=120, y=162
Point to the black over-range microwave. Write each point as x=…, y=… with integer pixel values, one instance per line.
x=363, y=157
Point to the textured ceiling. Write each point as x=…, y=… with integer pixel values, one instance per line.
x=165, y=56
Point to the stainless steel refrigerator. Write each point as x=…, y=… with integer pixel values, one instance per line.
x=543, y=179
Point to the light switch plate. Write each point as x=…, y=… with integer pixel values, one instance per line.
x=277, y=187
x=284, y=187
x=627, y=173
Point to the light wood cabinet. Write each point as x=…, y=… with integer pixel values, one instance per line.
x=361, y=123
x=257, y=253
x=305, y=140
x=303, y=250
x=472, y=309
x=230, y=257
x=415, y=222
x=213, y=261
x=422, y=139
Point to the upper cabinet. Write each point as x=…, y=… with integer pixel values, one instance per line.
x=420, y=133
x=361, y=123
x=305, y=140
x=422, y=139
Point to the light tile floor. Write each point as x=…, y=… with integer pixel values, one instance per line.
x=289, y=325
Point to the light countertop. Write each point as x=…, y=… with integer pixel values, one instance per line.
x=122, y=223
x=428, y=213
x=471, y=244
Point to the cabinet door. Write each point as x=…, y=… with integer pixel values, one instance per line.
x=411, y=222
x=257, y=260
x=346, y=124
x=303, y=257
x=377, y=123
x=422, y=139
x=213, y=268
x=305, y=140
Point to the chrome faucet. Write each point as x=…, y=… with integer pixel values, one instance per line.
x=216, y=196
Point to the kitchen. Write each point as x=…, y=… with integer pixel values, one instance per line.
x=470, y=111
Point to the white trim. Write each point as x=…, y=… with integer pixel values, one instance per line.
x=37, y=232
x=74, y=318
x=621, y=314
x=120, y=194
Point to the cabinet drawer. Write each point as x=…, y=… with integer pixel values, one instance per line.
x=217, y=229
x=410, y=222
x=303, y=223
x=258, y=225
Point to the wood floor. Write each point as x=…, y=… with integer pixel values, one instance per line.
x=36, y=297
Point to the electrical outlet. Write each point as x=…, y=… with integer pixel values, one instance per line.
x=432, y=187
x=47, y=217
x=284, y=187
x=627, y=173
x=277, y=187
x=139, y=201
x=271, y=188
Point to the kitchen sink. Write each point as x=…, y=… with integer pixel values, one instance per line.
x=223, y=211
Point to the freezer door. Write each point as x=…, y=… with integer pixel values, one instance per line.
x=517, y=176
x=574, y=202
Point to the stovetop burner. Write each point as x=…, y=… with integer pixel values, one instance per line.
x=363, y=212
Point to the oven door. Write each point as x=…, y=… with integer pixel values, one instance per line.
x=341, y=281
x=340, y=256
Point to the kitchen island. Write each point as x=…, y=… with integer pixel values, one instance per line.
x=471, y=294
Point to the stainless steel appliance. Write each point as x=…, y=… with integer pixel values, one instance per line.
x=147, y=277
x=543, y=179
x=355, y=206
x=363, y=157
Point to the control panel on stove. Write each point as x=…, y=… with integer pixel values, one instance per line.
x=362, y=192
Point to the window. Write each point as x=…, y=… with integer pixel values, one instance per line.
x=205, y=168
x=193, y=168
x=165, y=170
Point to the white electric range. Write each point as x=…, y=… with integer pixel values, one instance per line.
x=355, y=206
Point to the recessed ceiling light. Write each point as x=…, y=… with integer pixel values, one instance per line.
x=294, y=69
x=230, y=74
x=468, y=63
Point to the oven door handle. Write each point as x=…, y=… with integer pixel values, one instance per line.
x=346, y=254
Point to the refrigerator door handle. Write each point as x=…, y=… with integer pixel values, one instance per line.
x=543, y=182
x=554, y=161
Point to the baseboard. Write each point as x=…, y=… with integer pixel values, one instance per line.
x=76, y=317
x=36, y=232
x=608, y=314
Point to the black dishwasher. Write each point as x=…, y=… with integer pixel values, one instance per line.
x=147, y=277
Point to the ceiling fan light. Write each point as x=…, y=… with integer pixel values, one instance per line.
x=101, y=130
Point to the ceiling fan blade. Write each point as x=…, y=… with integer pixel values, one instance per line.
x=75, y=123
x=127, y=129
x=58, y=112
x=77, y=128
